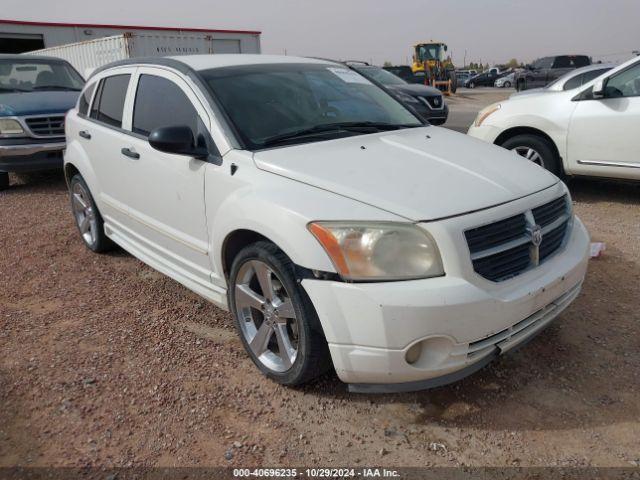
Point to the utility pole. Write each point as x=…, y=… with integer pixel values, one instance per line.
x=465, y=59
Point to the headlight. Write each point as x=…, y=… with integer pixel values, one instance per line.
x=403, y=97
x=379, y=251
x=9, y=126
x=482, y=116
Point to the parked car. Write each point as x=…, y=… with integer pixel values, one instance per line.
x=544, y=70
x=505, y=81
x=405, y=73
x=573, y=128
x=334, y=224
x=428, y=102
x=35, y=93
x=485, y=79
x=570, y=81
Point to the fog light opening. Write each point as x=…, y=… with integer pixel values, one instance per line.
x=413, y=354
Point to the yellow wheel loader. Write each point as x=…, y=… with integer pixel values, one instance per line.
x=432, y=59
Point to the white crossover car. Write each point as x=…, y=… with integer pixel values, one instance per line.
x=579, y=125
x=336, y=226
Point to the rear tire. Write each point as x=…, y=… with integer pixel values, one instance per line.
x=87, y=216
x=280, y=330
x=537, y=149
x=4, y=180
x=507, y=84
x=454, y=81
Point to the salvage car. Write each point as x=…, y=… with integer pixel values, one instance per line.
x=573, y=128
x=426, y=101
x=545, y=70
x=570, y=81
x=35, y=94
x=335, y=224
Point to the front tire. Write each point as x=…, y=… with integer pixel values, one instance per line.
x=507, y=84
x=536, y=149
x=275, y=318
x=87, y=216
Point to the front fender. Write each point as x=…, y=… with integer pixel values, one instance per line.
x=279, y=209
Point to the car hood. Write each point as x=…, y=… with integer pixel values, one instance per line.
x=36, y=103
x=416, y=90
x=419, y=173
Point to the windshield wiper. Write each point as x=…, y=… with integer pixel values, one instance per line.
x=350, y=127
x=56, y=87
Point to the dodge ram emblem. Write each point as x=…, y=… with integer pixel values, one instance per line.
x=536, y=235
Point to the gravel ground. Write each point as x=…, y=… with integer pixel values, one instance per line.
x=106, y=362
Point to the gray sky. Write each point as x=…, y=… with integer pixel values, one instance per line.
x=489, y=30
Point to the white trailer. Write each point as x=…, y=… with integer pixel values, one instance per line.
x=88, y=55
x=19, y=36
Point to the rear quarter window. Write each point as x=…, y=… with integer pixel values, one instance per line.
x=85, y=99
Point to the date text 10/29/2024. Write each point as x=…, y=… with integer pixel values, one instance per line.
x=315, y=473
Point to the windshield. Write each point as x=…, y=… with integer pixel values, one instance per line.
x=381, y=76
x=276, y=101
x=432, y=51
x=18, y=75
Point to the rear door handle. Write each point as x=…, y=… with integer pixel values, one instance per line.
x=127, y=152
x=84, y=134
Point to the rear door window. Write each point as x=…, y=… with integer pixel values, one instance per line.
x=108, y=105
x=161, y=103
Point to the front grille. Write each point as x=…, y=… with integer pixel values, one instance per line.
x=52, y=126
x=506, y=248
x=433, y=102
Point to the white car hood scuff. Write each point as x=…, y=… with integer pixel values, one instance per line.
x=421, y=174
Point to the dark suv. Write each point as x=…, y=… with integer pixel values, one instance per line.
x=35, y=94
x=547, y=69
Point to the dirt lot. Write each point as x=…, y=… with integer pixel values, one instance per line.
x=106, y=362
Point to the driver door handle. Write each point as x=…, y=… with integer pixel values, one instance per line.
x=127, y=152
x=84, y=134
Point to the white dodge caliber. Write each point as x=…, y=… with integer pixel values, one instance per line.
x=336, y=227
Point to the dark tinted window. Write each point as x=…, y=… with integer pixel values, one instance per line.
x=580, y=80
x=574, y=82
x=545, y=62
x=594, y=74
x=110, y=103
x=571, y=61
x=85, y=99
x=161, y=103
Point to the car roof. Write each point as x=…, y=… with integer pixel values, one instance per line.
x=205, y=62
x=20, y=56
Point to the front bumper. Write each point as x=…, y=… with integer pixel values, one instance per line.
x=28, y=154
x=485, y=132
x=433, y=115
x=460, y=321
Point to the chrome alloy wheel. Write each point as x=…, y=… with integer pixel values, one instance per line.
x=84, y=214
x=530, y=154
x=266, y=316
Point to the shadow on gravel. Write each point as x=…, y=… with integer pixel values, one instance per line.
x=36, y=182
x=590, y=190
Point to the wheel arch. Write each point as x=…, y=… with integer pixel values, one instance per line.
x=515, y=131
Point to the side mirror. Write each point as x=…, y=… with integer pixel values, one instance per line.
x=177, y=140
x=598, y=90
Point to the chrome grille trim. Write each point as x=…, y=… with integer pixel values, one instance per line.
x=509, y=247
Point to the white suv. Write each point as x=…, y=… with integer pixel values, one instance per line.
x=335, y=225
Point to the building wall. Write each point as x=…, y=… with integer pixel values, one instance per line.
x=55, y=35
